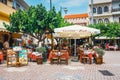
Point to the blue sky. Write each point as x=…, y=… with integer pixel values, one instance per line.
x=73, y=6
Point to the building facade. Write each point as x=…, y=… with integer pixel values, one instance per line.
x=80, y=19
x=105, y=11
x=9, y=6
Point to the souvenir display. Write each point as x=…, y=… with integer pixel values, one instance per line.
x=23, y=59
x=11, y=57
x=17, y=56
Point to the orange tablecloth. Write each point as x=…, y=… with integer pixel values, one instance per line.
x=1, y=57
x=33, y=56
x=90, y=55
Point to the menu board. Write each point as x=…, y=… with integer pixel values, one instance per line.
x=23, y=57
x=11, y=57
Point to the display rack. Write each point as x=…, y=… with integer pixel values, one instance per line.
x=17, y=57
x=11, y=58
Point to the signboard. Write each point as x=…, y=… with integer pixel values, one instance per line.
x=23, y=57
x=11, y=57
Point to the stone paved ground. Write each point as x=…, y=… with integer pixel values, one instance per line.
x=73, y=71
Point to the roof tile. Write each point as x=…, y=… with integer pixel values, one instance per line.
x=76, y=16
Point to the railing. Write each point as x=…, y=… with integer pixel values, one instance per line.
x=6, y=9
x=115, y=0
x=116, y=10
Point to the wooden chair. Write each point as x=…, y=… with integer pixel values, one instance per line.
x=64, y=57
x=83, y=58
x=55, y=57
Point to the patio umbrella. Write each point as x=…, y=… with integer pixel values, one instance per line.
x=75, y=32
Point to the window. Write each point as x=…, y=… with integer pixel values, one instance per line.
x=105, y=9
x=94, y=21
x=99, y=10
x=94, y=10
x=106, y=20
x=100, y=21
x=3, y=1
x=17, y=6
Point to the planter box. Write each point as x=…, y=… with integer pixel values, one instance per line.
x=99, y=60
x=39, y=60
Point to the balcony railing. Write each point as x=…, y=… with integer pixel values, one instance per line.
x=116, y=10
x=6, y=9
x=115, y=0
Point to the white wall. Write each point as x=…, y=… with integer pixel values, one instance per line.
x=116, y=18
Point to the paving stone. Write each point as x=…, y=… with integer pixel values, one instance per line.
x=72, y=71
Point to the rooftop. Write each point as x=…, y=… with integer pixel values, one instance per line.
x=76, y=16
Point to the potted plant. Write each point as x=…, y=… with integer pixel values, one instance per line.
x=42, y=50
x=100, y=52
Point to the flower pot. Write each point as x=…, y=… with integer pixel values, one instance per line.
x=99, y=60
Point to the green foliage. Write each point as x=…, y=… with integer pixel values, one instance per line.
x=35, y=21
x=100, y=52
x=111, y=30
x=41, y=49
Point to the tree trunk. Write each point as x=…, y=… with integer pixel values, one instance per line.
x=52, y=41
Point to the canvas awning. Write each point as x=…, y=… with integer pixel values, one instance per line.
x=103, y=37
x=4, y=31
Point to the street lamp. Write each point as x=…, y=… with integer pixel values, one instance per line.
x=64, y=8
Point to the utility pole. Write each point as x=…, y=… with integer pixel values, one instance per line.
x=92, y=12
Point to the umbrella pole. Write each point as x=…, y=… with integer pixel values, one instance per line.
x=70, y=46
x=75, y=47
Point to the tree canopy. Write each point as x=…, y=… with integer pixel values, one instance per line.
x=111, y=30
x=35, y=21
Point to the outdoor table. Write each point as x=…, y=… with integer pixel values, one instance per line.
x=111, y=47
x=33, y=56
x=88, y=55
